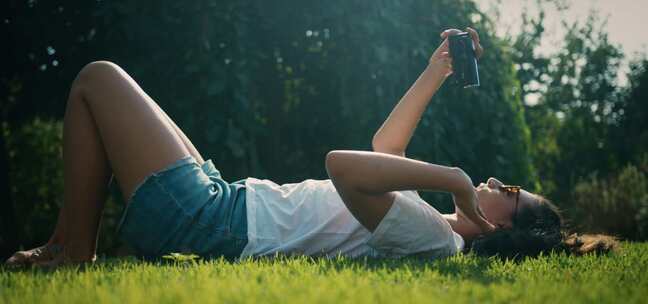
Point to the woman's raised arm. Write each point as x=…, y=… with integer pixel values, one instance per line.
x=395, y=133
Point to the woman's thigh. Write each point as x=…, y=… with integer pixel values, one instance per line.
x=138, y=138
x=188, y=144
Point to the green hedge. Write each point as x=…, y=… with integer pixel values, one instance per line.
x=616, y=205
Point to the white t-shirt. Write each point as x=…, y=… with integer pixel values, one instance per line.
x=310, y=218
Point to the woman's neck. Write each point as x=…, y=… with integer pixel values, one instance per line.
x=461, y=225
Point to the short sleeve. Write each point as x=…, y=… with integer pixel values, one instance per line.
x=411, y=226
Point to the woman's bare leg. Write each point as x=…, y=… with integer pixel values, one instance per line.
x=86, y=174
x=110, y=123
x=137, y=138
x=57, y=235
x=188, y=144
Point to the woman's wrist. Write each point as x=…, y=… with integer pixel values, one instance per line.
x=464, y=183
x=436, y=72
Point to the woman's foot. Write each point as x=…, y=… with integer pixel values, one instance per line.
x=64, y=259
x=46, y=256
x=38, y=255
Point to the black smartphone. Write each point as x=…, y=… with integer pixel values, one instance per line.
x=464, y=60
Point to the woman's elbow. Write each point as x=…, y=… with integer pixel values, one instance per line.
x=337, y=164
x=331, y=163
x=377, y=144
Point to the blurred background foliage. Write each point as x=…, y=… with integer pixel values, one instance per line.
x=265, y=90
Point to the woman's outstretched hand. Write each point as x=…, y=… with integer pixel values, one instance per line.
x=441, y=61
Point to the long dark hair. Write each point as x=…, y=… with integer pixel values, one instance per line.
x=538, y=228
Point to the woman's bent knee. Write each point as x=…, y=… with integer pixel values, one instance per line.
x=96, y=71
x=99, y=66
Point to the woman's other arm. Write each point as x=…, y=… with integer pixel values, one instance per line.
x=366, y=181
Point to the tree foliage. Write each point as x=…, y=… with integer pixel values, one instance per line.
x=630, y=134
x=282, y=85
x=578, y=102
x=588, y=132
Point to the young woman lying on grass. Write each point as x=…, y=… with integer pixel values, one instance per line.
x=178, y=202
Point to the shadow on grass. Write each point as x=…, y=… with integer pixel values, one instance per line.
x=465, y=267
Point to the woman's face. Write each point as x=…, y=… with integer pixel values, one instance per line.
x=498, y=205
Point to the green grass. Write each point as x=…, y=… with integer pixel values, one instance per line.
x=619, y=278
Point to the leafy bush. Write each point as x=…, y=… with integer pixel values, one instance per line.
x=36, y=172
x=618, y=205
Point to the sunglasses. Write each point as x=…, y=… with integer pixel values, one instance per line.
x=512, y=190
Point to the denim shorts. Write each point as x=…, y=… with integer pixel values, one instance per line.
x=186, y=208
